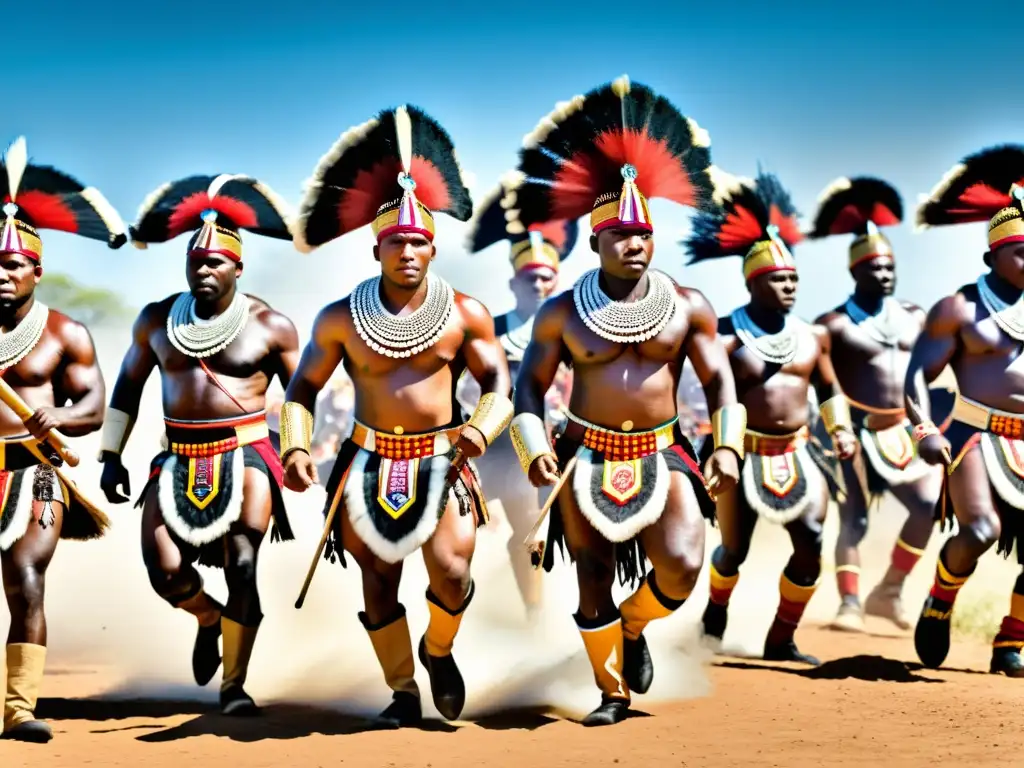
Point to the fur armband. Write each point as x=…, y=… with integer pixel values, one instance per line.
x=116, y=427
x=835, y=413
x=530, y=439
x=729, y=426
x=493, y=413
x=296, y=429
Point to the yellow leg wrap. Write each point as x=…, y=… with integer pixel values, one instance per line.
x=604, y=648
x=444, y=625
x=642, y=607
x=25, y=664
x=393, y=647
x=238, y=643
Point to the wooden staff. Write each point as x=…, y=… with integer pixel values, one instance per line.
x=21, y=409
x=535, y=547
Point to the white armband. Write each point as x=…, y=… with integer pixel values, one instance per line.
x=530, y=439
x=116, y=427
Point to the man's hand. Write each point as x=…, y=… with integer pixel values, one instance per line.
x=722, y=470
x=299, y=471
x=932, y=448
x=42, y=421
x=471, y=443
x=115, y=476
x=845, y=444
x=544, y=471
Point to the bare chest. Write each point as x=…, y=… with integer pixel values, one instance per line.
x=363, y=362
x=751, y=367
x=586, y=347
x=244, y=357
x=39, y=367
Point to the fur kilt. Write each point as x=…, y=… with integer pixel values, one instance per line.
x=620, y=499
x=26, y=478
x=200, y=498
x=394, y=505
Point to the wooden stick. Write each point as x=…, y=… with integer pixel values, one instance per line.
x=21, y=409
x=536, y=548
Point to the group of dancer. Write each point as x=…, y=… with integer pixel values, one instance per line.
x=629, y=495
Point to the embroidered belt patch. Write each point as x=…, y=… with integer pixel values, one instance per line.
x=779, y=473
x=396, y=485
x=204, y=479
x=622, y=480
x=895, y=446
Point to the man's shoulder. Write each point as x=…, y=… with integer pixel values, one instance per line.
x=266, y=314
x=834, y=318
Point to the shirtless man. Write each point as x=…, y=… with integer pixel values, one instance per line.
x=536, y=257
x=50, y=363
x=404, y=479
x=775, y=356
x=871, y=335
x=633, y=490
x=213, y=490
x=977, y=331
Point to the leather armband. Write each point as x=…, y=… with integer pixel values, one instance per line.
x=530, y=439
x=492, y=414
x=116, y=428
x=729, y=427
x=296, y=429
x=835, y=414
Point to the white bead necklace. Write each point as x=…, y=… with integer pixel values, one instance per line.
x=779, y=348
x=195, y=337
x=625, y=322
x=886, y=327
x=1009, y=317
x=401, y=335
x=22, y=339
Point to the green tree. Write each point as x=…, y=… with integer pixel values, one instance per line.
x=87, y=304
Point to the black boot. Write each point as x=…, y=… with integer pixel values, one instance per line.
x=788, y=651
x=235, y=702
x=715, y=618
x=404, y=710
x=931, y=636
x=34, y=731
x=610, y=712
x=206, y=653
x=637, y=666
x=1007, y=661
x=446, y=685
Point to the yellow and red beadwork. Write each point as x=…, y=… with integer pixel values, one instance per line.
x=1006, y=426
x=627, y=446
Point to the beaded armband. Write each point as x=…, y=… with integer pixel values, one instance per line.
x=530, y=439
x=923, y=430
x=729, y=426
x=116, y=426
x=296, y=429
x=835, y=413
x=493, y=413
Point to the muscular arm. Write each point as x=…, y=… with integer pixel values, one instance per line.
x=137, y=365
x=485, y=357
x=933, y=350
x=81, y=383
x=823, y=377
x=285, y=349
x=320, y=358
x=541, y=359
x=707, y=353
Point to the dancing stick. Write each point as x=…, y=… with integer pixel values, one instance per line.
x=535, y=547
x=54, y=438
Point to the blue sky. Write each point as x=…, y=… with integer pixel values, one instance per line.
x=139, y=93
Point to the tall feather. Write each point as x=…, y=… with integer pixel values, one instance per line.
x=16, y=160
x=974, y=189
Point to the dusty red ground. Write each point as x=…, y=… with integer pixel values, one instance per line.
x=869, y=704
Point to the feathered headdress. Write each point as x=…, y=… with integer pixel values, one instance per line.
x=541, y=245
x=217, y=206
x=859, y=206
x=38, y=197
x=394, y=172
x=755, y=219
x=606, y=154
x=986, y=186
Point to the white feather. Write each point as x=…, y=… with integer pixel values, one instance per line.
x=16, y=160
x=403, y=128
x=218, y=183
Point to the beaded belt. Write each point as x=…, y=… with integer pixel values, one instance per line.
x=210, y=438
x=416, y=446
x=620, y=446
x=774, y=445
x=979, y=416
